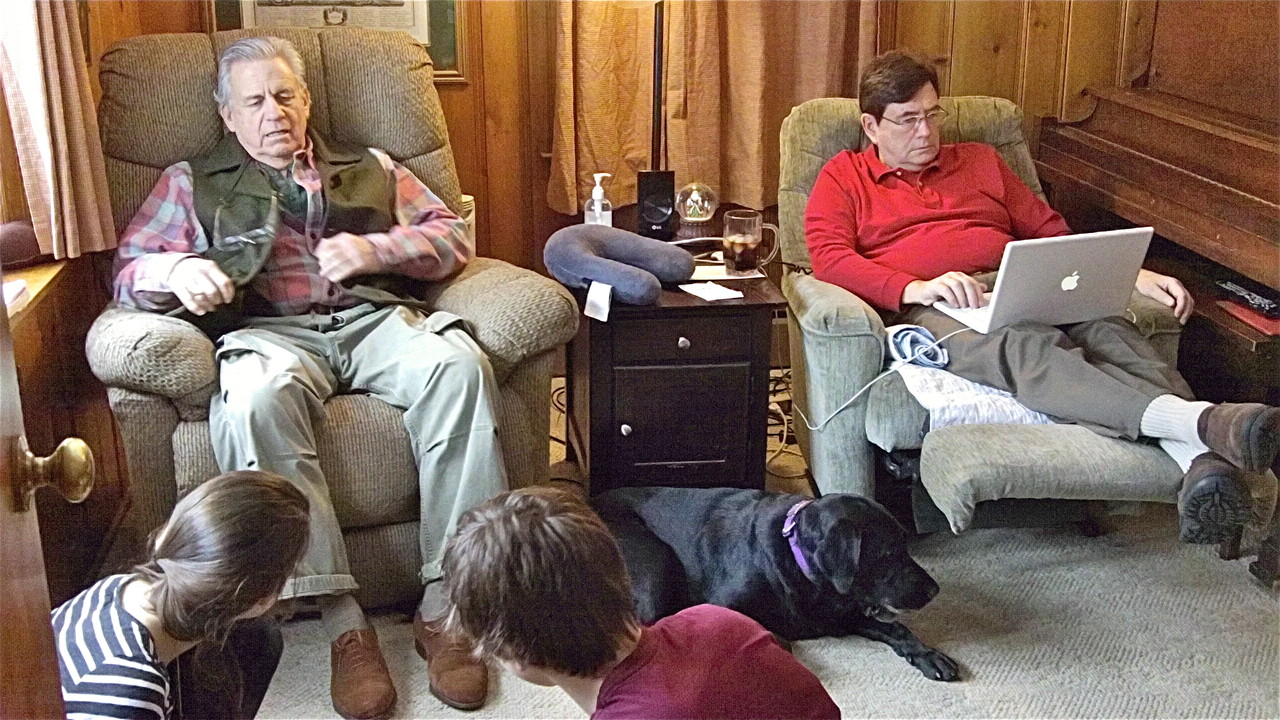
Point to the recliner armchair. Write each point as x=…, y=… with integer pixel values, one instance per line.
x=837, y=344
x=368, y=88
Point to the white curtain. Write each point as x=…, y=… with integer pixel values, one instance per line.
x=55, y=128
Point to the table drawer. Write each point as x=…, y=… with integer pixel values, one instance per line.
x=721, y=337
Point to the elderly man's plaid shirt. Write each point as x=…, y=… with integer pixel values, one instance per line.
x=428, y=242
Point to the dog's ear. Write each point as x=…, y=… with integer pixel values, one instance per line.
x=838, y=553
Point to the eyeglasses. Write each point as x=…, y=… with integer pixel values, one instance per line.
x=933, y=119
x=228, y=241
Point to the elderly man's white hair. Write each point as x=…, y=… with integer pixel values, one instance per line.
x=255, y=48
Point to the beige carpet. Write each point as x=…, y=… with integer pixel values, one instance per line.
x=1044, y=622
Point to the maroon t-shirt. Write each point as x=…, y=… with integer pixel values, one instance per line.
x=714, y=663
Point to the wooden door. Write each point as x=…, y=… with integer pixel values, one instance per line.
x=29, y=686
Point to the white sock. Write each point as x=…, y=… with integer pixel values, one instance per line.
x=340, y=614
x=1181, y=452
x=435, y=603
x=1170, y=417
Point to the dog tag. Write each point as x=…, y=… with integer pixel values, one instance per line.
x=598, y=296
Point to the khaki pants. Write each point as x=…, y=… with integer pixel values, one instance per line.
x=1101, y=374
x=277, y=373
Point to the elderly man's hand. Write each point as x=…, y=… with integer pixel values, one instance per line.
x=1167, y=291
x=200, y=285
x=345, y=255
x=954, y=288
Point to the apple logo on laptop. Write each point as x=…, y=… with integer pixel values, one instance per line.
x=1071, y=281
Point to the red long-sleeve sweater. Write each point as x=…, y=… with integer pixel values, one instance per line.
x=872, y=229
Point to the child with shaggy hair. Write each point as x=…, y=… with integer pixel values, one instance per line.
x=538, y=582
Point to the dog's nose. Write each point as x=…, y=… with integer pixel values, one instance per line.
x=926, y=590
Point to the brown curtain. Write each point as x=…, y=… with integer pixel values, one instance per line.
x=733, y=70
x=50, y=103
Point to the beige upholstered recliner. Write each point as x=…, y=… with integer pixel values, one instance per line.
x=368, y=88
x=838, y=346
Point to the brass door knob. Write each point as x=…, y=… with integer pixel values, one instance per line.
x=69, y=469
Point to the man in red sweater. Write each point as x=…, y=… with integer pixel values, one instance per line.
x=908, y=222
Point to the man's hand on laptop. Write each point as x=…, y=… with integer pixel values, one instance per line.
x=1167, y=291
x=954, y=288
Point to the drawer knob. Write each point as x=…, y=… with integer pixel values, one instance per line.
x=683, y=343
x=625, y=429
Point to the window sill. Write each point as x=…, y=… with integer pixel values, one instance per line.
x=40, y=280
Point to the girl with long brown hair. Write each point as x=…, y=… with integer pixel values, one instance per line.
x=183, y=634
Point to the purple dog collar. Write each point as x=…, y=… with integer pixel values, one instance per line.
x=789, y=532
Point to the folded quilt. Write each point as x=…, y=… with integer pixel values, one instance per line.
x=949, y=398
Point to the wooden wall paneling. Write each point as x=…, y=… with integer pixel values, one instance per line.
x=463, y=105
x=113, y=20
x=886, y=26
x=1092, y=54
x=1044, y=25
x=110, y=22
x=509, y=153
x=926, y=26
x=171, y=16
x=986, y=48
x=1222, y=54
x=1135, y=44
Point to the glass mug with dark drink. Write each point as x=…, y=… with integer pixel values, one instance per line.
x=741, y=242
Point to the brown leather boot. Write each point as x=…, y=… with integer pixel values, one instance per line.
x=1214, y=501
x=1247, y=435
x=359, y=682
x=458, y=678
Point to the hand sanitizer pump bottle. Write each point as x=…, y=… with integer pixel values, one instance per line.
x=598, y=210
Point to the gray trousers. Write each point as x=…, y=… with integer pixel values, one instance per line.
x=1101, y=374
x=277, y=373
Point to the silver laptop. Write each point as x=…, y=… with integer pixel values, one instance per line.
x=1061, y=280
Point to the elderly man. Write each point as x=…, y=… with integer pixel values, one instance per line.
x=908, y=222
x=303, y=253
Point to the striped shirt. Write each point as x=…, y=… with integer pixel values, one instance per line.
x=428, y=242
x=108, y=658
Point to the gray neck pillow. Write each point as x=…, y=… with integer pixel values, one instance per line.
x=636, y=266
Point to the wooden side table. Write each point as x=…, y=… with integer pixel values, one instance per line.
x=675, y=393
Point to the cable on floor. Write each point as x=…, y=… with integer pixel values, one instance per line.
x=780, y=392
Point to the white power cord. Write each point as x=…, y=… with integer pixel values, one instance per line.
x=892, y=369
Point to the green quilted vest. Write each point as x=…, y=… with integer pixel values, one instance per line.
x=239, y=212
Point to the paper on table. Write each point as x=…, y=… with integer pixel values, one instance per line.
x=710, y=291
x=598, y=296
x=717, y=272
x=16, y=296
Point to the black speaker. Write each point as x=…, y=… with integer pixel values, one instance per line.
x=656, y=204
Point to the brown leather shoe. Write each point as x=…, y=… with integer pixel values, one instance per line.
x=1247, y=435
x=359, y=682
x=1214, y=501
x=458, y=678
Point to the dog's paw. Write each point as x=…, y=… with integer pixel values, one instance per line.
x=935, y=666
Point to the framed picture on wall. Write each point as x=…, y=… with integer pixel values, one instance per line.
x=437, y=24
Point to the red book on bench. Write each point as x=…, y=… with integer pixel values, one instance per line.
x=1255, y=320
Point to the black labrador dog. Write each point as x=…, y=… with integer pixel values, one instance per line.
x=842, y=567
